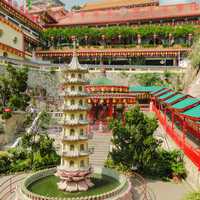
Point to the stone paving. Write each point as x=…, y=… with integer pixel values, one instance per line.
x=167, y=190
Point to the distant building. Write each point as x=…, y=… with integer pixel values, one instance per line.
x=46, y=2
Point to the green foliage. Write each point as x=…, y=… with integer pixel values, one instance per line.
x=167, y=164
x=194, y=55
x=149, y=79
x=134, y=144
x=124, y=31
x=5, y=162
x=13, y=85
x=6, y=115
x=193, y=196
x=36, y=151
x=136, y=147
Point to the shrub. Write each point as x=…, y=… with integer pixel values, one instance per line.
x=6, y=115
x=193, y=196
x=20, y=165
x=4, y=162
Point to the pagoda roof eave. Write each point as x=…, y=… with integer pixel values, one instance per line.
x=21, y=16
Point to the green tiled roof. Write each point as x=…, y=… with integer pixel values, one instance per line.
x=102, y=81
x=139, y=88
x=184, y=103
x=160, y=93
x=168, y=94
x=193, y=112
x=174, y=98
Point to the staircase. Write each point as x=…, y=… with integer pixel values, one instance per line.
x=100, y=146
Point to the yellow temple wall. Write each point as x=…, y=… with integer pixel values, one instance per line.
x=9, y=34
x=77, y=161
x=11, y=55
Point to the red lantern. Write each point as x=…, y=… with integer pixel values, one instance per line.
x=7, y=110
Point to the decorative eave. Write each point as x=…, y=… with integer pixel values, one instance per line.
x=10, y=24
x=30, y=39
x=12, y=50
x=106, y=88
x=19, y=15
x=147, y=52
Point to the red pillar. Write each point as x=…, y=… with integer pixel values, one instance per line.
x=184, y=130
x=165, y=117
x=110, y=110
x=172, y=120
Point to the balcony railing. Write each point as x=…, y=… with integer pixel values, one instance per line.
x=42, y=65
x=75, y=137
x=73, y=93
x=74, y=122
x=75, y=107
x=75, y=153
x=76, y=80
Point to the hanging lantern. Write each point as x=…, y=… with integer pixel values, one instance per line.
x=89, y=100
x=7, y=110
x=101, y=101
x=114, y=100
x=107, y=101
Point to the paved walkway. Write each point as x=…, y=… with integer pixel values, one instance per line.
x=167, y=190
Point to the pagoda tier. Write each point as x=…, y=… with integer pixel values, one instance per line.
x=74, y=171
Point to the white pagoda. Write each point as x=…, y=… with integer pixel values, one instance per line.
x=74, y=171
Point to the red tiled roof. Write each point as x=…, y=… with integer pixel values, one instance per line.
x=105, y=4
x=129, y=14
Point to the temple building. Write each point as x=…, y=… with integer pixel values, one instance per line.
x=19, y=32
x=74, y=171
x=108, y=32
x=165, y=43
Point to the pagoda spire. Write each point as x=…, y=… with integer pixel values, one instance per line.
x=74, y=64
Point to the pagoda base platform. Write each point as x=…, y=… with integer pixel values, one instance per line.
x=73, y=181
x=83, y=185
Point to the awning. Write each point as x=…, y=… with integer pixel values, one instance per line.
x=167, y=95
x=185, y=103
x=193, y=112
x=174, y=98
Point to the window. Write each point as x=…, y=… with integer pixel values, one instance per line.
x=81, y=102
x=82, y=164
x=71, y=147
x=81, y=117
x=82, y=147
x=72, y=75
x=72, y=117
x=72, y=88
x=72, y=132
x=80, y=88
x=79, y=76
x=72, y=102
x=81, y=132
x=71, y=163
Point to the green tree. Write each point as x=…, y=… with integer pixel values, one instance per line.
x=148, y=79
x=134, y=144
x=13, y=85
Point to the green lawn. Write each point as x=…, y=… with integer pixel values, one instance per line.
x=48, y=187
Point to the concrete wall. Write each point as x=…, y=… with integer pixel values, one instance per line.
x=8, y=35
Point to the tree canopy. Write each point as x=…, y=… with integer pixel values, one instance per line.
x=134, y=144
x=13, y=85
